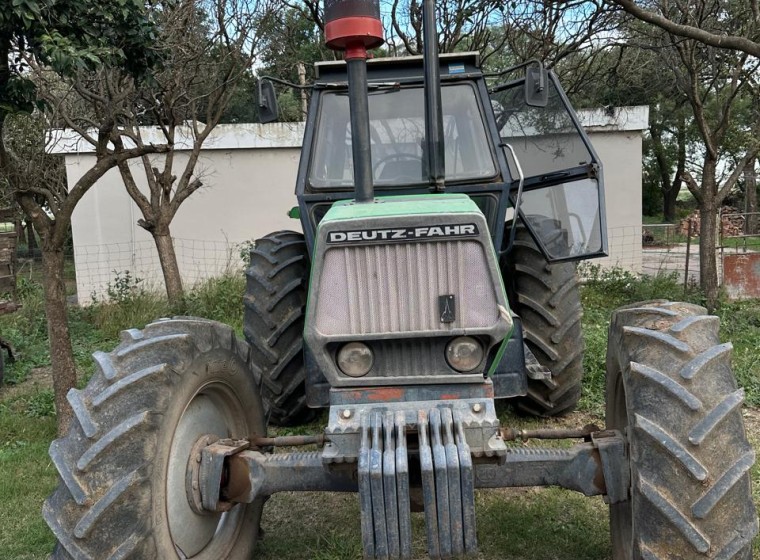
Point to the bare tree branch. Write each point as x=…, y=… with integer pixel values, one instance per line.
x=733, y=42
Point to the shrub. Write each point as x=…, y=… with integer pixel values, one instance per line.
x=219, y=298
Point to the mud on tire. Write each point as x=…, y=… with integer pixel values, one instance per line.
x=120, y=493
x=671, y=388
x=547, y=299
x=275, y=304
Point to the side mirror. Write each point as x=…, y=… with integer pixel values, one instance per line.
x=268, y=110
x=536, y=89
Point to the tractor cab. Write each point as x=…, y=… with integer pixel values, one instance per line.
x=489, y=134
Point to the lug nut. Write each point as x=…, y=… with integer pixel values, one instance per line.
x=477, y=407
x=346, y=414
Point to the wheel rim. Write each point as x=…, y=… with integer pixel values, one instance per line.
x=621, y=514
x=214, y=409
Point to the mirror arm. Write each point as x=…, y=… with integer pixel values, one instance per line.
x=285, y=82
x=515, y=67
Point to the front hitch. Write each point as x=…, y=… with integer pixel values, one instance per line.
x=411, y=449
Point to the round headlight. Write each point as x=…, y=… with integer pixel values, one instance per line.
x=464, y=353
x=355, y=359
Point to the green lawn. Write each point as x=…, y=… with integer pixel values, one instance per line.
x=516, y=523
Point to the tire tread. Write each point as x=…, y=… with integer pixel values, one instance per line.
x=547, y=299
x=683, y=408
x=98, y=509
x=275, y=304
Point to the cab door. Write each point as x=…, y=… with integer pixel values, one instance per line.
x=562, y=202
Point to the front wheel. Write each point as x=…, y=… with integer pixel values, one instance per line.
x=122, y=465
x=671, y=390
x=275, y=307
x=548, y=300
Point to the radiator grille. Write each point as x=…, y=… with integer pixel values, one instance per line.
x=375, y=289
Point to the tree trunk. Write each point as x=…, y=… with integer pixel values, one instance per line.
x=669, y=198
x=61, y=355
x=31, y=239
x=169, y=267
x=18, y=228
x=750, y=198
x=708, y=223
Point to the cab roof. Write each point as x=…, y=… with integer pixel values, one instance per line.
x=401, y=67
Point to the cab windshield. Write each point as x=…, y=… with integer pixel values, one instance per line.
x=397, y=131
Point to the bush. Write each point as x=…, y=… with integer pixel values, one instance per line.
x=609, y=288
x=128, y=311
x=220, y=299
x=604, y=290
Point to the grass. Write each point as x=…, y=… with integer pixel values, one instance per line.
x=518, y=523
x=26, y=477
x=750, y=243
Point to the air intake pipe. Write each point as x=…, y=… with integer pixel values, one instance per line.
x=353, y=26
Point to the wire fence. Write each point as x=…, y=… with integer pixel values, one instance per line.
x=671, y=249
x=99, y=268
x=675, y=249
x=647, y=249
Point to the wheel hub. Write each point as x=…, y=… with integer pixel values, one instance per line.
x=193, y=474
x=208, y=417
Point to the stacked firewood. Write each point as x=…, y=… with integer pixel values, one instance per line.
x=731, y=222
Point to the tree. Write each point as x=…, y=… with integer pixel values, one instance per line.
x=209, y=49
x=717, y=88
x=696, y=20
x=715, y=85
x=668, y=152
x=291, y=42
x=568, y=37
x=290, y=38
x=52, y=35
x=206, y=49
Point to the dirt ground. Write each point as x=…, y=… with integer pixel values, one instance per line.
x=39, y=379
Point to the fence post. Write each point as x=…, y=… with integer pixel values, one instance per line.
x=688, y=253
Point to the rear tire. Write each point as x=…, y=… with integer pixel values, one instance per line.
x=122, y=465
x=275, y=304
x=671, y=390
x=547, y=299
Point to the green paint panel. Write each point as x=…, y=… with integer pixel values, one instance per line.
x=405, y=205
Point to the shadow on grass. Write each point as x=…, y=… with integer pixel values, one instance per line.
x=535, y=524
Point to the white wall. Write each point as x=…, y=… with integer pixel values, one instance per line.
x=249, y=174
x=617, y=138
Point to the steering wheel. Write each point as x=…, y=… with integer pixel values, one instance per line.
x=398, y=157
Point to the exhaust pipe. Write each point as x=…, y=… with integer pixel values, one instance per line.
x=436, y=155
x=353, y=26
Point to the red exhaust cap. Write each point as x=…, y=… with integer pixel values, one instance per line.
x=353, y=26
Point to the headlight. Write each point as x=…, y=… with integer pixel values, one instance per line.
x=355, y=359
x=464, y=353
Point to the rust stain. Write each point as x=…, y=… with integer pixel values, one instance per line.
x=390, y=394
x=741, y=275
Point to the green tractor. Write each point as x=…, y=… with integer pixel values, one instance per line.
x=406, y=315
